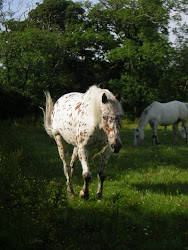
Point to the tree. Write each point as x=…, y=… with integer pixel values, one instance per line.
x=140, y=62
x=54, y=47
x=176, y=78
x=123, y=45
x=140, y=55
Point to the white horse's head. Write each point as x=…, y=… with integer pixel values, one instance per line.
x=111, y=119
x=138, y=136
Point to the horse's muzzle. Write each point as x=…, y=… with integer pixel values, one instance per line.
x=116, y=147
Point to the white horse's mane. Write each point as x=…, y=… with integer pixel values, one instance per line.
x=145, y=114
x=144, y=119
x=95, y=94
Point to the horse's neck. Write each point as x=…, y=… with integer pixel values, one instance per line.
x=95, y=108
x=143, y=123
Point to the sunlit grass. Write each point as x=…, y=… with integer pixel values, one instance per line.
x=145, y=199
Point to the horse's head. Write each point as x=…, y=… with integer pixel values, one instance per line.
x=138, y=136
x=111, y=120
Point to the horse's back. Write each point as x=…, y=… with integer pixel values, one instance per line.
x=73, y=118
x=63, y=116
x=176, y=106
x=166, y=113
x=172, y=111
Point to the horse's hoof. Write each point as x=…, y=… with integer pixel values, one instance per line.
x=70, y=192
x=99, y=197
x=83, y=195
x=71, y=195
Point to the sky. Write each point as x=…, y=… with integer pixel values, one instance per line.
x=28, y=4
x=24, y=6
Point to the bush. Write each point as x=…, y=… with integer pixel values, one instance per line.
x=15, y=104
x=33, y=208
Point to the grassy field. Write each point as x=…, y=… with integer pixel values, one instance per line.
x=145, y=203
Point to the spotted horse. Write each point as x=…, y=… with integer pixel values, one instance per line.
x=85, y=121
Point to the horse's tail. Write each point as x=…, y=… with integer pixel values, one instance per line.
x=186, y=104
x=182, y=132
x=47, y=113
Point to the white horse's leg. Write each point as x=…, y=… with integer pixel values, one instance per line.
x=175, y=131
x=154, y=136
x=86, y=174
x=101, y=176
x=64, y=157
x=165, y=128
x=73, y=158
x=184, y=124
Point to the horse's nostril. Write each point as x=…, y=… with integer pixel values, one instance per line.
x=116, y=147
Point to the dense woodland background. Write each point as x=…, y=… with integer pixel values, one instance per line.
x=123, y=45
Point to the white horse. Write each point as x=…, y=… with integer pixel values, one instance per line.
x=164, y=114
x=85, y=121
x=181, y=130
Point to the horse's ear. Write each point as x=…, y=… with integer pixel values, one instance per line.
x=104, y=98
x=118, y=97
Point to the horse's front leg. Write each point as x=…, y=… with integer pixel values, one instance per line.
x=101, y=176
x=86, y=174
x=63, y=153
x=154, y=137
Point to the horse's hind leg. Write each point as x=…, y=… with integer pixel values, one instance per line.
x=101, y=176
x=63, y=153
x=73, y=158
x=165, y=128
x=86, y=174
x=175, y=131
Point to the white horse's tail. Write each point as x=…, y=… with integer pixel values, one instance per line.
x=186, y=104
x=47, y=113
x=182, y=132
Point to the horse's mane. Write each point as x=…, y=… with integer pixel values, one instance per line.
x=95, y=93
x=145, y=114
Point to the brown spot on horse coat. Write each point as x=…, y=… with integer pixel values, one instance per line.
x=78, y=106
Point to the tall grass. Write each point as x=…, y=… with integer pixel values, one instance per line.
x=145, y=203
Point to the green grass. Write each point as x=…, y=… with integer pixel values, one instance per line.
x=145, y=203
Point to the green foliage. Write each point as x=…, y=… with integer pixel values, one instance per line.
x=145, y=194
x=67, y=46
x=32, y=205
x=58, y=15
x=15, y=103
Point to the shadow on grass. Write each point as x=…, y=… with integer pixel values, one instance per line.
x=37, y=215
x=129, y=228
x=167, y=189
